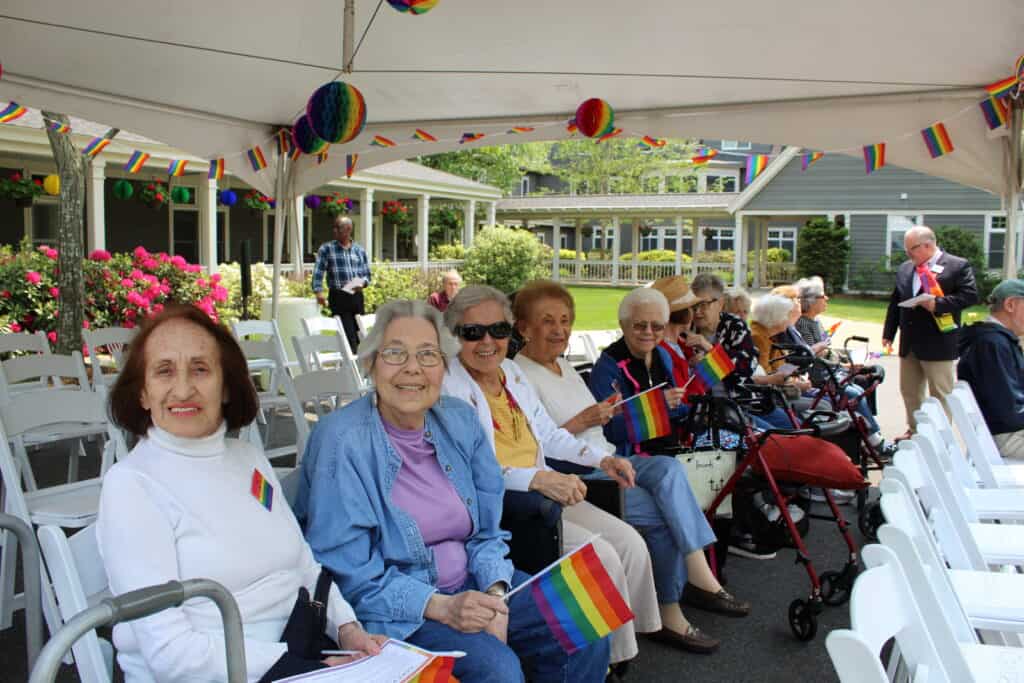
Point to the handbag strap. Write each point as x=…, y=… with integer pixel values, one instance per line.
x=323, y=586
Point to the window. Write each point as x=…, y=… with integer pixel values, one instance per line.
x=563, y=238
x=718, y=239
x=45, y=221
x=524, y=185
x=720, y=183
x=649, y=240
x=602, y=238
x=996, y=241
x=734, y=145
x=896, y=228
x=540, y=236
x=783, y=238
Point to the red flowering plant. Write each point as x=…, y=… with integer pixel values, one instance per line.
x=20, y=188
x=395, y=212
x=257, y=201
x=335, y=205
x=153, y=195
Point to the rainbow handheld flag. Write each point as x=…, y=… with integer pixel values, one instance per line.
x=256, y=159
x=423, y=136
x=647, y=143
x=936, y=138
x=1003, y=88
x=177, y=168
x=262, y=490
x=714, y=367
x=58, y=127
x=832, y=330
x=756, y=163
x=874, y=157
x=930, y=285
x=381, y=141
x=613, y=133
x=216, y=170
x=647, y=416
x=704, y=157
x=350, y=164
x=95, y=146
x=439, y=670
x=137, y=160
x=578, y=599
x=995, y=111
x=807, y=159
x=284, y=142
x=11, y=112
x=517, y=130
x=470, y=137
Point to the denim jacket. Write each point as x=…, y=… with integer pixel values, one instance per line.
x=374, y=549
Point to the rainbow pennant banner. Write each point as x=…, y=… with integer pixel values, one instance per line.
x=11, y=112
x=137, y=160
x=647, y=415
x=704, y=157
x=350, y=164
x=995, y=111
x=647, y=143
x=295, y=153
x=58, y=127
x=518, y=130
x=1003, y=88
x=613, y=133
x=262, y=490
x=874, y=157
x=470, y=137
x=381, y=141
x=714, y=367
x=256, y=159
x=807, y=159
x=177, y=168
x=423, y=136
x=284, y=142
x=578, y=599
x=216, y=170
x=321, y=157
x=571, y=128
x=937, y=140
x=756, y=163
x=95, y=146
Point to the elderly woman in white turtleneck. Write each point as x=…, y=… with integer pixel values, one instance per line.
x=182, y=506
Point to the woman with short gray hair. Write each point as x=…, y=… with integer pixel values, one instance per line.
x=643, y=296
x=404, y=308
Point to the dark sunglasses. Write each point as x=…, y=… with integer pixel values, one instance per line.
x=500, y=330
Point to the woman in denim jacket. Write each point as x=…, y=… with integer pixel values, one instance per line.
x=401, y=499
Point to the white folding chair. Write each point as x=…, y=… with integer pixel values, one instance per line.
x=322, y=326
x=325, y=390
x=581, y=348
x=315, y=352
x=261, y=343
x=365, y=324
x=79, y=582
x=994, y=472
x=107, y=341
x=24, y=343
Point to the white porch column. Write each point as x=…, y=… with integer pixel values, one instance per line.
x=95, y=219
x=556, y=248
x=579, y=250
x=468, y=222
x=298, y=235
x=635, y=231
x=423, y=222
x=738, y=271
x=615, y=250
x=492, y=211
x=366, y=227
x=206, y=199
x=679, y=245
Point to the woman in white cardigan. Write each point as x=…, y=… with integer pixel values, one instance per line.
x=188, y=503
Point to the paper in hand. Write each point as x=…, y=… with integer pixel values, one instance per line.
x=352, y=285
x=916, y=300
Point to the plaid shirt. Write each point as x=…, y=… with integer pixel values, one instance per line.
x=340, y=264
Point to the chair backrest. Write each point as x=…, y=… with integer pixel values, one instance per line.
x=971, y=424
x=318, y=387
x=35, y=342
x=320, y=324
x=79, y=581
x=39, y=370
x=935, y=457
x=260, y=341
x=950, y=455
x=319, y=351
x=365, y=323
x=113, y=341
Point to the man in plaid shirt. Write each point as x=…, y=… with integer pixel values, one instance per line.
x=342, y=260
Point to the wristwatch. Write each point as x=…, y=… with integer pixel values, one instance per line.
x=498, y=589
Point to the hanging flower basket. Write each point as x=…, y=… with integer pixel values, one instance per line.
x=21, y=189
x=335, y=205
x=395, y=212
x=154, y=194
x=257, y=202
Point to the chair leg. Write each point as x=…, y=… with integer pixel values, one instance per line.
x=21, y=455
x=75, y=451
x=8, y=568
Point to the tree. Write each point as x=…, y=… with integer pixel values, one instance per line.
x=501, y=166
x=591, y=167
x=504, y=258
x=959, y=242
x=72, y=167
x=823, y=249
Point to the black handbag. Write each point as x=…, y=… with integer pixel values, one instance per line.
x=304, y=632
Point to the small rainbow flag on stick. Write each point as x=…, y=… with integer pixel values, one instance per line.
x=517, y=130
x=470, y=137
x=578, y=599
x=423, y=136
x=262, y=490
x=350, y=164
x=11, y=112
x=807, y=159
x=995, y=111
x=177, y=168
x=381, y=141
x=256, y=159
x=439, y=670
x=832, y=330
x=756, y=163
x=95, y=146
x=284, y=141
x=874, y=156
x=704, y=157
x=647, y=143
x=58, y=127
x=936, y=138
x=136, y=162
x=647, y=415
x=714, y=367
x=216, y=170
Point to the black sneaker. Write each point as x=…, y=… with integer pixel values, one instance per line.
x=746, y=546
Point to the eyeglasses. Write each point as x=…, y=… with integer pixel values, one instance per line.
x=704, y=304
x=396, y=355
x=498, y=330
x=641, y=325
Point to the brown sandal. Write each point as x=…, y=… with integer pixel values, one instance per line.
x=721, y=602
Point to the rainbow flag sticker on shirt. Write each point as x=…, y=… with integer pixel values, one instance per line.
x=647, y=416
x=715, y=366
x=262, y=490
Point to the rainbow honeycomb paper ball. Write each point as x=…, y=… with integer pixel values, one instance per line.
x=595, y=118
x=413, y=6
x=305, y=137
x=337, y=112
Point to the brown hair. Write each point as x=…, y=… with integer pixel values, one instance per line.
x=532, y=292
x=125, y=398
x=788, y=291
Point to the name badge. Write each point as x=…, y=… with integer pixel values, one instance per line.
x=936, y=268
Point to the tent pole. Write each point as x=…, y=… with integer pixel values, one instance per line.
x=348, y=36
x=279, y=219
x=1012, y=194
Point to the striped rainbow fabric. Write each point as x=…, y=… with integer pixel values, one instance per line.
x=470, y=137
x=262, y=490
x=647, y=416
x=321, y=157
x=350, y=164
x=613, y=133
x=874, y=157
x=571, y=127
x=381, y=141
x=756, y=163
x=807, y=159
x=996, y=112
x=58, y=127
x=1003, y=88
x=284, y=141
x=714, y=367
x=423, y=136
x=579, y=601
x=937, y=140
x=95, y=146
x=704, y=157
x=177, y=168
x=137, y=160
x=648, y=143
x=216, y=170
x=11, y=112
x=518, y=130
x=439, y=670
x=256, y=159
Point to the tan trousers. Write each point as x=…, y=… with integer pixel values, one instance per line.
x=1011, y=444
x=624, y=554
x=921, y=377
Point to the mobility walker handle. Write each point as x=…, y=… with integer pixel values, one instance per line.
x=140, y=603
x=33, y=587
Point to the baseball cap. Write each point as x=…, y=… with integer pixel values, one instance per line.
x=1006, y=289
x=677, y=291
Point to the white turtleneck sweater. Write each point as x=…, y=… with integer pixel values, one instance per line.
x=178, y=509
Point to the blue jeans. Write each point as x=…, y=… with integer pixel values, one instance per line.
x=488, y=660
x=856, y=394
x=776, y=419
x=662, y=508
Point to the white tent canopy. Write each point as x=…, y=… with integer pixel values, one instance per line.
x=215, y=78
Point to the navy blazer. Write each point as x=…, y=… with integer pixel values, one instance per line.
x=919, y=331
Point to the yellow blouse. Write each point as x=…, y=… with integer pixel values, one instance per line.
x=514, y=443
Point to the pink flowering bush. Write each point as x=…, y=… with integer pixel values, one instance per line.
x=120, y=289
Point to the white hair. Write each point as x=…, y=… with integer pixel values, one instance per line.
x=643, y=296
x=736, y=294
x=451, y=275
x=809, y=289
x=772, y=310
x=474, y=295
x=404, y=308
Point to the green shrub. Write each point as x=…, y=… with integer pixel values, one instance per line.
x=773, y=255
x=959, y=242
x=448, y=252
x=823, y=250
x=504, y=258
x=389, y=284
x=721, y=256
x=599, y=255
x=660, y=256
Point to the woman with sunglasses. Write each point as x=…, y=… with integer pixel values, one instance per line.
x=401, y=499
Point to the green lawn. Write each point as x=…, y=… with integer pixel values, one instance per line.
x=597, y=308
